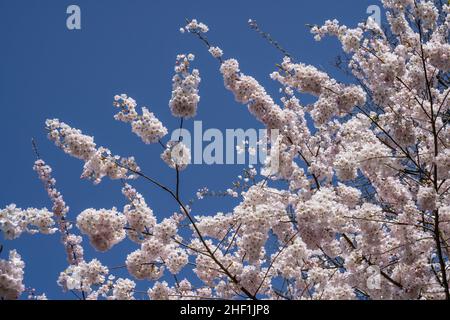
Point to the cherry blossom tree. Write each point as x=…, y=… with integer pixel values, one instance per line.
x=365, y=211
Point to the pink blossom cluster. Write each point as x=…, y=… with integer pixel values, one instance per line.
x=99, y=162
x=146, y=126
x=105, y=228
x=139, y=215
x=83, y=276
x=15, y=221
x=176, y=155
x=71, y=242
x=195, y=26
x=11, y=276
x=185, y=97
x=353, y=201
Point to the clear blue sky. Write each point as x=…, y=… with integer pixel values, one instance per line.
x=129, y=46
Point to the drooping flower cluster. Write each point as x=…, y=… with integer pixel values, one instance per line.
x=160, y=291
x=146, y=126
x=105, y=228
x=11, y=277
x=123, y=289
x=161, y=249
x=139, y=215
x=99, y=163
x=14, y=221
x=438, y=52
x=185, y=97
x=83, y=277
x=104, y=164
x=177, y=259
x=248, y=91
x=71, y=141
x=141, y=265
x=333, y=99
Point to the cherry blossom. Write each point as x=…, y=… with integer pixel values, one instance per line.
x=353, y=201
x=98, y=162
x=146, y=126
x=139, y=216
x=185, y=97
x=11, y=276
x=216, y=52
x=177, y=155
x=14, y=221
x=105, y=228
x=83, y=276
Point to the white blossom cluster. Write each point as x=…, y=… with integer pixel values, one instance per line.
x=160, y=291
x=216, y=52
x=158, y=252
x=15, y=221
x=83, y=277
x=438, y=51
x=248, y=91
x=141, y=266
x=378, y=133
x=352, y=203
x=105, y=228
x=333, y=99
x=11, y=276
x=99, y=163
x=72, y=141
x=104, y=164
x=111, y=288
x=185, y=97
x=195, y=26
x=44, y=172
x=177, y=259
x=139, y=215
x=71, y=242
x=176, y=155
x=33, y=296
x=350, y=38
x=123, y=289
x=146, y=126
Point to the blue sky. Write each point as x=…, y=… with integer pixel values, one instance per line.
x=130, y=46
